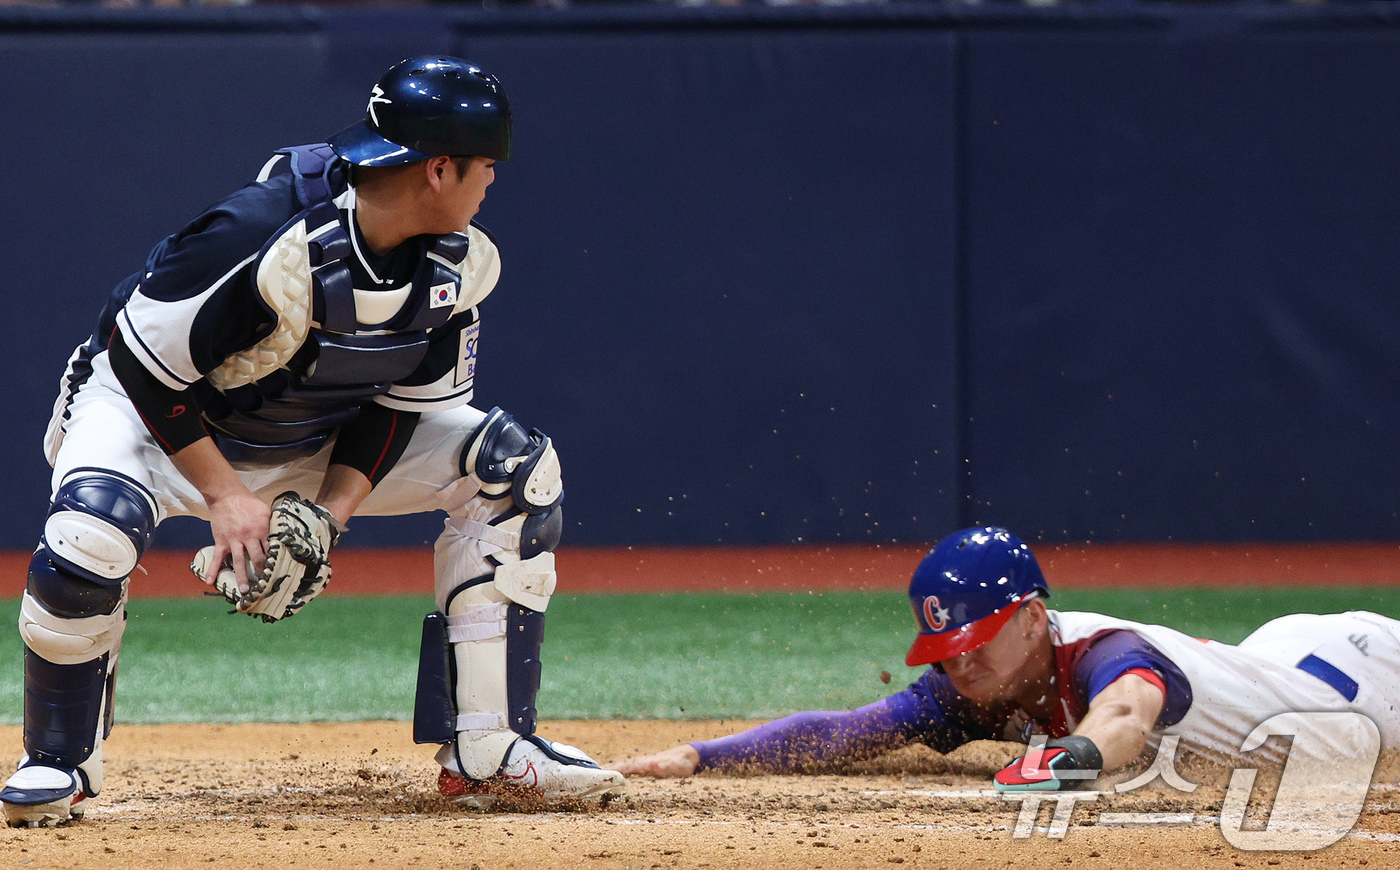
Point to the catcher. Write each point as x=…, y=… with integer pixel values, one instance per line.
x=301, y=353
x=1100, y=693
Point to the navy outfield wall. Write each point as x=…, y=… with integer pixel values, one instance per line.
x=819, y=275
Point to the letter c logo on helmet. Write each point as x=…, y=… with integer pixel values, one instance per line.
x=967, y=588
x=934, y=614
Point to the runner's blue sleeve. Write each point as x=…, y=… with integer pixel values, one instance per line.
x=928, y=711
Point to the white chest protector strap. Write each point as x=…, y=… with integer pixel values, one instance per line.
x=284, y=280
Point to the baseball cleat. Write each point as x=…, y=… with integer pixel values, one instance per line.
x=536, y=768
x=42, y=797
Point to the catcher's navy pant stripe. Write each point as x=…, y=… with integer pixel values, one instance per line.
x=1330, y=675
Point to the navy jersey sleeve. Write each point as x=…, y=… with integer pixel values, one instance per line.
x=196, y=301
x=929, y=711
x=1112, y=654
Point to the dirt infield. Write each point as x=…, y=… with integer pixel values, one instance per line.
x=361, y=795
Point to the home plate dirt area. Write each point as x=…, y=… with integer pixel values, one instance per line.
x=362, y=795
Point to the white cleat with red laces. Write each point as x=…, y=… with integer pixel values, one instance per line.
x=536, y=768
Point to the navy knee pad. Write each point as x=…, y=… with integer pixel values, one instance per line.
x=541, y=532
x=501, y=438
x=98, y=526
x=501, y=452
x=68, y=593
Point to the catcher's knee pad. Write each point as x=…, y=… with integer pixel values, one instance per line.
x=63, y=637
x=97, y=529
x=98, y=526
x=508, y=460
x=479, y=672
x=69, y=594
x=529, y=535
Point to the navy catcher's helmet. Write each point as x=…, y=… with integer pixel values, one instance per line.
x=429, y=107
x=967, y=588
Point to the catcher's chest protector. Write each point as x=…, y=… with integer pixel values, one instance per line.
x=298, y=395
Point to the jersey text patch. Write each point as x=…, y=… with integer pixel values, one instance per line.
x=466, y=354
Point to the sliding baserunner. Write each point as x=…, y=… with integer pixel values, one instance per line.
x=1099, y=692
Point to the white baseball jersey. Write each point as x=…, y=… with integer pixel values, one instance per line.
x=1344, y=662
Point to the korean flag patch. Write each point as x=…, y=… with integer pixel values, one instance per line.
x=443, y=295
x=466, y=355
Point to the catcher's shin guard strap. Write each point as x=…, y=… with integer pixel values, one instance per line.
x=63, y=709
x=524, y=638
x=481, y=722
x=434, y=705
x=512, y=537
x=477, y=622
x=496, y=537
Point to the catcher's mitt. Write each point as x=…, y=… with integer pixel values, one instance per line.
x=298, y=562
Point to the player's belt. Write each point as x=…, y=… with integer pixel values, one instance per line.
x=1329, y=674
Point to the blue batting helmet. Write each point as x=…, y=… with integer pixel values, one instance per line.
x=967, y=588
x=429, y=107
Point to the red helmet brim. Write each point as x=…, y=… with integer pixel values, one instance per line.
x=930, y=648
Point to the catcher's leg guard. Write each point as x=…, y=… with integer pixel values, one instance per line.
x=484, y=711
x=436, y=716
x=480, y=669
x=71, y=619
x=491, y=648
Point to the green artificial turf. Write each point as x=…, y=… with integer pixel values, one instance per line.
x=606, y=656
